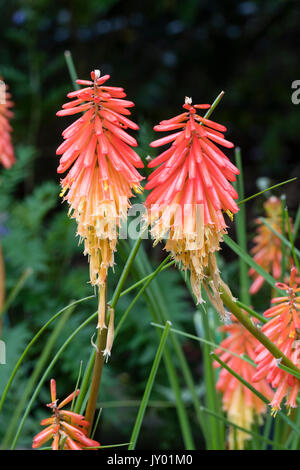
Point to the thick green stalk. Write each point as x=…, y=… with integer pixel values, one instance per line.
x=99, y=360
x=259, y=335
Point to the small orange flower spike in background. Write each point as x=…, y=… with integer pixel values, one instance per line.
x=67, y=429
x=267, y=249
x=239, y=402
x=103, y=173
x=7, y=157
x=190, y=189
x=283, y=330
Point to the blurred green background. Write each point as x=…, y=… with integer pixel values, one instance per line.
x=160, y=52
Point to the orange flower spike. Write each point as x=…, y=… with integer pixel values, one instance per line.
x=239, y=402
x=267, y=246
x=68, y=429
x=42, y=437
x=190, y=191
x=283, y=330
x=98, y=153
x=7, y=157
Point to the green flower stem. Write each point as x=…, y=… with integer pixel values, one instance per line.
x=259, y=335
x=125, y=314
x=283, y=245
x=102, y=333
x=71, y=68
x=125, y=272
x=99, y=361
x=265, y=190
x=214, y=105
x=144, y=279
x=147, y=392
x=288, y=223
x=241, y=232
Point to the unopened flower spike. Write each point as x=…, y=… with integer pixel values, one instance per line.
x=98, y=153
x=283, y=329
x=190, y=192
x=267, y=250
x=68, y=430
x=7, y=156
x=240, y=404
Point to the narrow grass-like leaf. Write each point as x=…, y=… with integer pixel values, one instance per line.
x=256, y=392
x=33, y=341
x=149, y=385
x=296, y=224
x=18, y=286
x=205, y=341
x=45, y=375
x=280, y=236
x=40, y=364
x=241, y=232
x=236, y=426
x=293, y=249
x=290, y=371
x=251, y=311
x=157, y=308
x=76, y=386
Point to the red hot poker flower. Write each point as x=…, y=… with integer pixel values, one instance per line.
x=267, y=249
x=67, y=429
x=7, y=157
x=283, y=330
x=239, y=402
x=103, y=167
x=190, y=189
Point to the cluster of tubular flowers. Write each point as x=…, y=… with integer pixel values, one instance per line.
x=103, y=168
x=267, y=246
x=67, y=429
x=240, y=404
x=283, y=330
x=7, y=157
x=190, y=192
